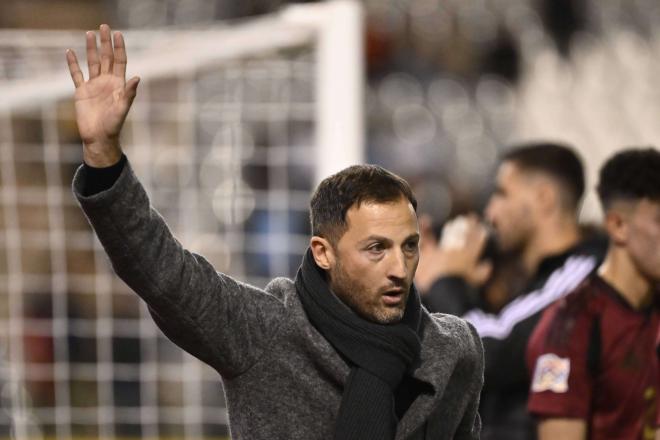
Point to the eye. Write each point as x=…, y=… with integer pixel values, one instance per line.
x=411, y=246
x=376, y=247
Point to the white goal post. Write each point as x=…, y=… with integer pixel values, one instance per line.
x=232, y=128
x=335, y=28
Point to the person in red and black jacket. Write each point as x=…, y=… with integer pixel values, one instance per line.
x=594, y=354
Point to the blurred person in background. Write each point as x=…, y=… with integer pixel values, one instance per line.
x=534, y=217
x=345, y=351
x=594, y=354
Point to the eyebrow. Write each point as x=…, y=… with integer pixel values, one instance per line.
x=375, y=238
x=415, y=235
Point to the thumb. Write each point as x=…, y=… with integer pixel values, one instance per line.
x=482, y=272
x=124, y=96
x=130, y=89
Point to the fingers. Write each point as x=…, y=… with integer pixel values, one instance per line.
x=74, y=68
x=93, y=62
x=107, y=57
x=111, y=60
x=482, y=273
x=474, y=230
x=119, y=66
x=465, y=233
x=477, y=232
x=454, y=233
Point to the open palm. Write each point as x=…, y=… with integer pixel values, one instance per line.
x=102, y=102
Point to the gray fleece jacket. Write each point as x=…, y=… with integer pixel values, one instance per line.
x=281, y=378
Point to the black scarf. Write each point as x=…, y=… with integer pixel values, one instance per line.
x=379, y=354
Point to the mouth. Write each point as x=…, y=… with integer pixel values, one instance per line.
x=393, y=297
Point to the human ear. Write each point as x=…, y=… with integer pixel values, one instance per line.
x=547, y=197
x=617, y=227
x=322, y=251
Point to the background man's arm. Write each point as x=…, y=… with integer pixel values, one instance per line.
x=450, y=272
x=565, y=429
x=562, y=386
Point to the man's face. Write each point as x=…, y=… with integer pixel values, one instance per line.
x=511, y=207
x=643, y=238
x=376, y=259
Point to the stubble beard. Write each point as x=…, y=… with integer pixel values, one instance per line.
x=514, y=243
x=349, y=291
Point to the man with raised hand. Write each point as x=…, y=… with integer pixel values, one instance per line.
x=594, y=356
x=344, y=351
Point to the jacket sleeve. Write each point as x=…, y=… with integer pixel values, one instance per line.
x=470, y=426
x=562, y=385
x=221, y=321
x=451, y=295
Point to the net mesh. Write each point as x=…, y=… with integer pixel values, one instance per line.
x=224, y=143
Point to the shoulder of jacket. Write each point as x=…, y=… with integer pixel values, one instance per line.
x=447, y=322
x=280, y=286
x=459, y=332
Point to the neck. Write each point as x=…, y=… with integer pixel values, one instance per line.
x=621, y=273
x=553, y=237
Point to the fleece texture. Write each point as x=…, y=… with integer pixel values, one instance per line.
x=282, y=379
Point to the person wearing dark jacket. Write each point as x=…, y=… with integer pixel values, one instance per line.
x=344, y=351
x=533, y=214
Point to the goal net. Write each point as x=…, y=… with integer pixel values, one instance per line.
x=232, y=128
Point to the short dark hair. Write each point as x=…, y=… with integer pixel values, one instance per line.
x=631, y=174
x=560, y=162
x=354, y=185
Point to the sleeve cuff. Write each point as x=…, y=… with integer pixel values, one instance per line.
x=101, y=179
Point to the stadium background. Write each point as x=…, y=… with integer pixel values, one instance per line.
x=226, y=149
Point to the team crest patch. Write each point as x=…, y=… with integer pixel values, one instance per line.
x=551, y=374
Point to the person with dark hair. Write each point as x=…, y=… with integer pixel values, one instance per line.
x=594, y=354
x=344, y=351
x=542, y=254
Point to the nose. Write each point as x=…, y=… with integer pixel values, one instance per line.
x=398, y=267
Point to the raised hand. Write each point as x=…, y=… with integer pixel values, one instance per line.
x=102, y=102
x=457, y=254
